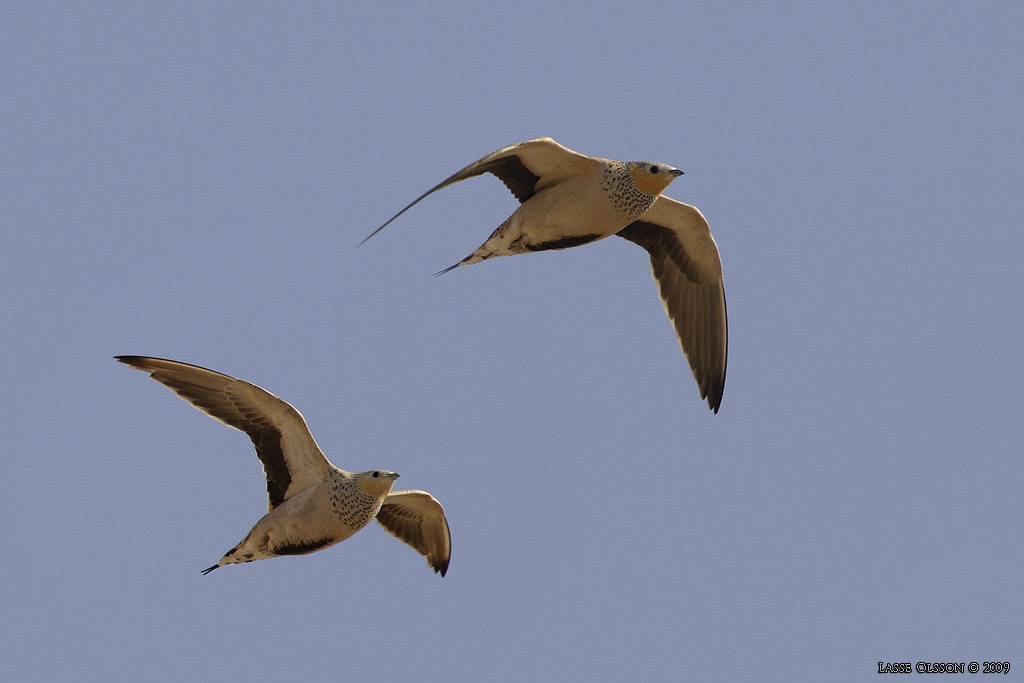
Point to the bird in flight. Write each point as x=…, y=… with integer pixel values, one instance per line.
x=568, y=199
x=313, y=504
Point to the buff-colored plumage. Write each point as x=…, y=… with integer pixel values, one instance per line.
x=568, y=199
x=312, y=504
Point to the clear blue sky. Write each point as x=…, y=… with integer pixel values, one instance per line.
x=191, y=182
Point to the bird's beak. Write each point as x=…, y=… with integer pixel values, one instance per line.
x=395, y=475
x=675, y=172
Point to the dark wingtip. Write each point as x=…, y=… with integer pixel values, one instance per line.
x=386, y=224
x=367, y=238
x=714, y=401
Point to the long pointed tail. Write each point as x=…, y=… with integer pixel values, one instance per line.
x=442, y=272
x=476, y=257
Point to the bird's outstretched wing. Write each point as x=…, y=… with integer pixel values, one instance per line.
x=417, y=518
x=525, y=168
x=688, y=269
x=291, y=458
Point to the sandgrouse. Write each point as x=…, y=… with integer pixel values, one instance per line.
x=568, y=199
x=313, y=504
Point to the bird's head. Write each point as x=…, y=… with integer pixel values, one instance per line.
x=651, y=177
x=376, y=483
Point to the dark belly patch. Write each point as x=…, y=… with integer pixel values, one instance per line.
x=302, y=548
x=563, y=243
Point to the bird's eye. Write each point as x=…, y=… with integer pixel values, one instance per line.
x=376, y=474
x=655, y=169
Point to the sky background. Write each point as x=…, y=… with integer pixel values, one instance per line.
x=191, y=181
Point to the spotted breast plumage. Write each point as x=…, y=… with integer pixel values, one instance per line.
x=312, y=504
x=568, y=199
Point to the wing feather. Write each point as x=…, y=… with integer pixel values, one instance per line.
x=688, y=269
x=417, y=518
x=525, y=168
x=291, y=459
